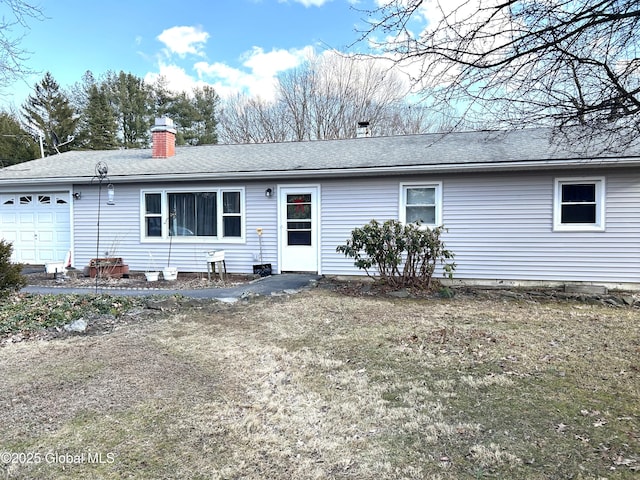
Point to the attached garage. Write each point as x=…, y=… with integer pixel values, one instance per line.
x=38, y=224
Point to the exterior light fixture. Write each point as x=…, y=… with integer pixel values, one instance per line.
x=268, y=193
x=111, y=193
x=77, y=195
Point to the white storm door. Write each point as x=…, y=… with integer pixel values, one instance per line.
x=299, y=233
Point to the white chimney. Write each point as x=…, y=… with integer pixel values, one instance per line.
x=363, y=130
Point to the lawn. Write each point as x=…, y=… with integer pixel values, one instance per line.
x=325, y=385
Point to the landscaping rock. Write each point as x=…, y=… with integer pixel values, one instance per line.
x=403, y=293
x=78, y=326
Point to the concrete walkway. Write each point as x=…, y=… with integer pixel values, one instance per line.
x=273, y=284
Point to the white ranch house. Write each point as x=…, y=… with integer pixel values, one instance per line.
x=517, y=207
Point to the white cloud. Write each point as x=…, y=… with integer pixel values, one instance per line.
x=177, y=78
x=258, y=78
x=184, y=40
x=271, y=63
x=308, y=3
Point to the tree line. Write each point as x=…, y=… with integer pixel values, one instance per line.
x=325, y=98
x=572, y=65
x=110, y=112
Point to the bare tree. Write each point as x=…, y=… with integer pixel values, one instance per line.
x=566, y=63
x=14, y=17
x=244, y=119
x=335, y=91
x=325, y=99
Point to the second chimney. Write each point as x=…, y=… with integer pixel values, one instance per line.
x=363, y=130
x=163, y=138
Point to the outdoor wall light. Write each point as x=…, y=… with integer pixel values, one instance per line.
x=77, y=195
x=111, y=193
x=268, y=193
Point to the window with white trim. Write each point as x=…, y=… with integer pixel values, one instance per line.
x=193, y=214
x=579, y=204
x=421, y=203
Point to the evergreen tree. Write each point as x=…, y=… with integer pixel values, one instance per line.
x=98, y=129
x=16, y=144
x=206, y=102
x=194, y=114
x=133, y=103
x=49, y=112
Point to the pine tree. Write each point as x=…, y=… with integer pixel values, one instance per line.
x=98, y=128
x=49, y=112
x=206, y=102
x=133, y=106
x=16, y=144
x=101, y=121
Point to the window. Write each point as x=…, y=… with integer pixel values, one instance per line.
x=579, y=204
x=193, y=214
x=231, y=215
x=153, y=215
x=421, y=204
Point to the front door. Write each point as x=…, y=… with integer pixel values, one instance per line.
x=298, y=222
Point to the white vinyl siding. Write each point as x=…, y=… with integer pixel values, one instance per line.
x=500, y=226
x=351, y=203
x=121, y=226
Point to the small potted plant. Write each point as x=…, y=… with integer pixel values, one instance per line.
x=152, y=273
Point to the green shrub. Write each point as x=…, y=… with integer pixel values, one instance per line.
x=403, y=255
x=11, y=278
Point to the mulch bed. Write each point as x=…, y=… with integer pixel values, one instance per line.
x=136, y=280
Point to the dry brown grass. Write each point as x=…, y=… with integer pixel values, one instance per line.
x=322, y=385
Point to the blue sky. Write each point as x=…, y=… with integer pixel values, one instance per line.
x=230, y=44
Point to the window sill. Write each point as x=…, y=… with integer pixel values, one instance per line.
x=578, y=228
x=192, y=240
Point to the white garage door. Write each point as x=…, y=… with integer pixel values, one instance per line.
x=38, y=225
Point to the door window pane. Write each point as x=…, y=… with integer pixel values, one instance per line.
x=299, y=237
x=299, y=207
x=299, y=219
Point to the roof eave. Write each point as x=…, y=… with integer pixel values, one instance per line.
x=345, y=172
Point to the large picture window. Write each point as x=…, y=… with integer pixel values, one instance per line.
x=421, y=204
x=215, y=214
x=579, y=204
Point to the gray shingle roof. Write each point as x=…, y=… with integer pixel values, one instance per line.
x=359, y=156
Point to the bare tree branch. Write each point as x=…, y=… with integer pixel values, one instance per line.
x=14, y=18
x=567, y=63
